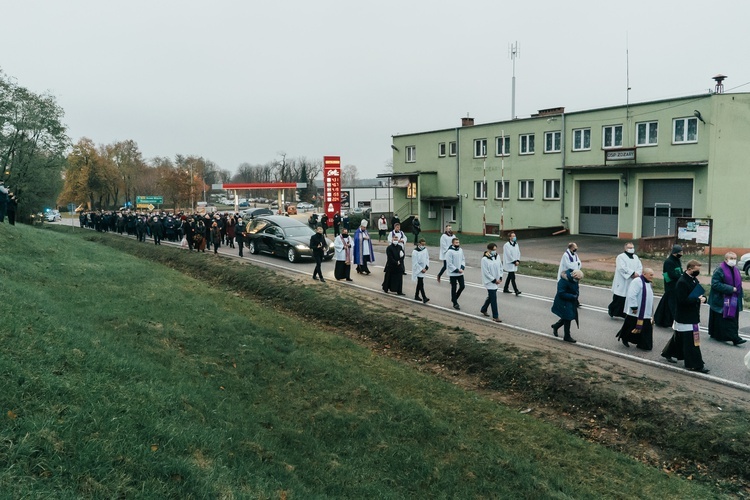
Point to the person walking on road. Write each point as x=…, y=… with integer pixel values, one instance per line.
x=725, y=301
x=446, y=240
x=492, y=276
x=569, y=261
x=319, y=244
x=638, y=326
x=343, y=250
x=671, y=270
x=511, y=259
x=382, y=228
x=565, y=303
x=627, y=268
x=685, y=342
x=455, y=264
x=363, y=252
x=420, y=263
x=393, y=280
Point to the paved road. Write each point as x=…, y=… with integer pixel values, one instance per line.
x=530, y=312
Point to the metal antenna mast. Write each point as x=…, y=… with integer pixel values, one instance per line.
x=514, y=53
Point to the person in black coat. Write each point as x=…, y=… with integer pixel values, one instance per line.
x=12, y=208
x=394, y=276
x=685, y=341
x=672, y=270
x=318, y=244
x=566, y=303
x=336, y=224
x=324, y=223
x=416, y=228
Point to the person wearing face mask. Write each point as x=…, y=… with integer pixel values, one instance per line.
x=446, y=240
x=685, y=342
x=511, y=259
x=569, y=260
x=363, y=252
x=319, y=244
x=455, y=263
x=671, y=271
x=420, y=263
x=492, y=276
x=725, y=301
x=566, y=300
x=627, y=268
x=343, y=251
x=638, y=326
x=393, y=280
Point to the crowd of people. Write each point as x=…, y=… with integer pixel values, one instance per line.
x=632, y=292
x=8, y=204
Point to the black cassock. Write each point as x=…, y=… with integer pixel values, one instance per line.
x=394, y=276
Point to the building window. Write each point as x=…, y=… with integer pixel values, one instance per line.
x=552, y=189
x=526, y=144
x=480, y=190
x=411, y=154
x=612, y=136
x=411, y=190
x=685, y=130
x=526, y=190
x=452, y=148
x=441, y=149
x=502, y=146
x=552, y=142
x=647, y=133
x=480, y=148
x=582, y=139
x=502, y=190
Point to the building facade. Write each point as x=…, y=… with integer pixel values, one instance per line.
x=626, y=171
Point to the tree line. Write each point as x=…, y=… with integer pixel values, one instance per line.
x=44, y=168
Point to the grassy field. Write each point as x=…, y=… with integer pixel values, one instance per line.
x=127, y=378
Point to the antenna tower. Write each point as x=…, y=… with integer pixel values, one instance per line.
x=514, y=53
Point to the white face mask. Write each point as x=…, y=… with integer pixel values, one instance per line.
x=732, y=262
x=630, y=250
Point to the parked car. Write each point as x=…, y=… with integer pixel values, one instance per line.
x=52, y=215
x=303, y=205
x=744, y=263
x=274, y=205
x=282, y=236
x=255, y=212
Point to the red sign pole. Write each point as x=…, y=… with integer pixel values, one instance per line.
x=331, y=186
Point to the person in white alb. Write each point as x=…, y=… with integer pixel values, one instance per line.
x=492, y=276
x=638, y=327
x=511, y=259
x=455, y=264
x=569, y=260
x=627, y=268
x=445, y=242
x=420, y=263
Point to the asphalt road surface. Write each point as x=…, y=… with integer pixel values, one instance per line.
x=530, y=312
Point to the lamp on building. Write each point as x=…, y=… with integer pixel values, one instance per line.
x=394, y=148
x=698, y=116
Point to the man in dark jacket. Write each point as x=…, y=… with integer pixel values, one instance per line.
x=672, y=270
x=685, y=342
x=318, y=244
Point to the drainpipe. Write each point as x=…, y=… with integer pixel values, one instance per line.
x=458, y=183
x=563, y=219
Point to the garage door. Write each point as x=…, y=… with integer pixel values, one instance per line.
x=663, y=201
x=598, y=207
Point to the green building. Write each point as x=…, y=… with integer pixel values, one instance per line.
x=628, y=171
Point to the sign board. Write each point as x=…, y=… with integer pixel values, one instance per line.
x=625, y=154
x=696, y=230
x=345, y=200
x=145, y=200
x=331, y=186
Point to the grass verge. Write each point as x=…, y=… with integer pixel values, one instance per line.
x=125, y=378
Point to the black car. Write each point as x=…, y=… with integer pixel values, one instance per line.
x=282, y=236
x=255, y=212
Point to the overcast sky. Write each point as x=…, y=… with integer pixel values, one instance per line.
x=240, y=81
